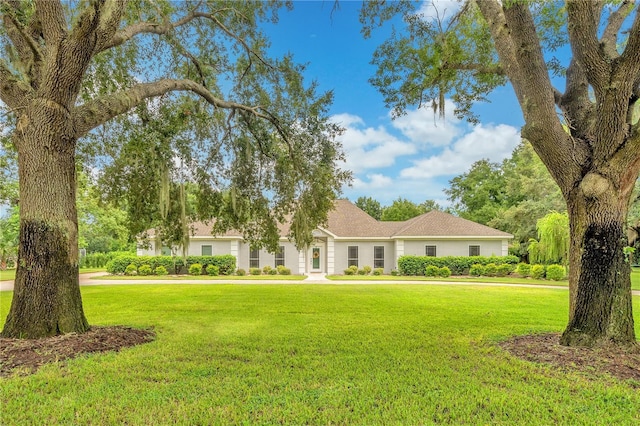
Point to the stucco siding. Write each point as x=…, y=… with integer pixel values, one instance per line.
x=266, y=258
x=217, y=247
x=365, y=254
x=453, y=247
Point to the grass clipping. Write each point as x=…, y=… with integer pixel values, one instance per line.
x=25, y=356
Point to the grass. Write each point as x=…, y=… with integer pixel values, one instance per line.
x=635, y=279
x=10, y=274
x=204, y=277
x=321, y=354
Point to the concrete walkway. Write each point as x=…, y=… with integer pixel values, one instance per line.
x=93, y=279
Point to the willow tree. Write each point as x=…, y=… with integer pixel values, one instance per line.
x=263, y=148
x=596, y=163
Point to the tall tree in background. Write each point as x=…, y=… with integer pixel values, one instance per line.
x=478, y=194
x=267, y=150
x=370, y=206
x=401, y=209
x=595, y=164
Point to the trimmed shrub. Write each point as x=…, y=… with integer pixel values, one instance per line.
x=378, y=271
x=255, y=271
x=273, y=271
x=145, y=270
x=226, y=262
x=556, y=272
x=266, y=270
x=367, y=269
x=213, y=270
x=283, y=270
x=459, y=265
x=241, y=272
x=177, y=265
x=362, y=271
x=351, y=270
x=394, y=273
x=523, y=269
x=131, y=269
x=537, y=272
x=195, y=269
x=504, y=270
x=476, y=270
x=160, y=270
x=444, y=272
x=490, y=270
x=431, y=271
x=118, y=265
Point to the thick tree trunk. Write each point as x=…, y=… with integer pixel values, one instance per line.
x=46, y=298
x=600, y=284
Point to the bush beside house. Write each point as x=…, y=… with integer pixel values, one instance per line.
x=226, y=264
x=458, y=265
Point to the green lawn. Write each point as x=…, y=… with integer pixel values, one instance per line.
x=635, y=279
x=321, y=354
x=10, y=274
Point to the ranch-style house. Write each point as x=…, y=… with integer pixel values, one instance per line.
x=352, y=237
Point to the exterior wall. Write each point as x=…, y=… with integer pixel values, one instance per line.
x=218, y=247
x=455, y=247
x=266, y=258
x=365, y=254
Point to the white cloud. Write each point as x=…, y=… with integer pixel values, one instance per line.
x=422, y=127
x=493, y=142
x=442, y=9
x=367, y=147
x=374, y=181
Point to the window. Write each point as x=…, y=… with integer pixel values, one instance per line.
x=430, y=250
x=254, y=258
x=474, y=250
x=378, y=257
x=353, y=256
x=207, y=251
x=280, y=257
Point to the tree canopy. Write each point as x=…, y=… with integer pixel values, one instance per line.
x=580, y=117
x=156, y=95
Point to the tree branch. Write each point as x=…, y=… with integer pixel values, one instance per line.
x=582, y=27
x=109, y=21
x=12, y=91
x=496, y=69
x=629, y=61
x=610, y=35
x=165, y=28
x=25, y=45
x=101, y=110
x=518, y=46
x=51, y=16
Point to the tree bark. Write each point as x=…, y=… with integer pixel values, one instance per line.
x=601, y=301
x=47, y=298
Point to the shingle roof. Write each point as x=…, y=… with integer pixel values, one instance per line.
x=346, y=220
x=439, y=224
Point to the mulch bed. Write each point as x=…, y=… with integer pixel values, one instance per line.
x=622, y=363
x=25, y=356
x=21, y=356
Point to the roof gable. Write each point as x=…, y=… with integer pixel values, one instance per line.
x=440, y=224
x=347, y=220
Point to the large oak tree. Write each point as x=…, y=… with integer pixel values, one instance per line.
x=260, y=148
x=595, y=162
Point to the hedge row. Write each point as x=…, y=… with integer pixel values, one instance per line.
x=458, y=265
x=174, y=265
x=100, y=260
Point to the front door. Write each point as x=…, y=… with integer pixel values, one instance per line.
x=315, y=259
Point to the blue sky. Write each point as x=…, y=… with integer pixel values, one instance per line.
x=413, y=156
